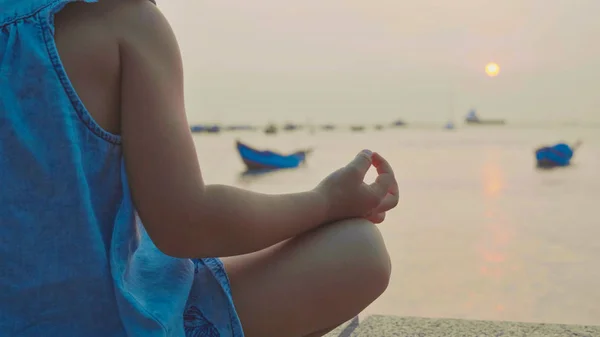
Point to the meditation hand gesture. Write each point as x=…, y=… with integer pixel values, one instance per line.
x=348, y=196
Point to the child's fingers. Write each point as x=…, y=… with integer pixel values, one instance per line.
x=383, y=167
x=381, y=164
x=389, y=202
x=362, y=162
x=382, y=185
x=376, y=218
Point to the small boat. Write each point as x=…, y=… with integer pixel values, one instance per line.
x=449, y=126
x=255, y=159
x=473, y=119
x=399, y=123
x=240, y=127
x=206, y=128
x=378, y=127
x=328, y=127
x=558, y=155
x=291, y=127
x=357, y=128
x=271, y=129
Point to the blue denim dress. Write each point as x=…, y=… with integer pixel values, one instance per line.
x=74, y=258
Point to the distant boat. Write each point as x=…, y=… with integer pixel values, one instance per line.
x=290, y=127
x=255, y=159
x=378, y=127
x=558, y=155
x=240, y=127
x=271, y=129
x=473, y=119
x=357, y=128
x=399, y=123
x=206, y=128
x=449, y=126
x=328, y=127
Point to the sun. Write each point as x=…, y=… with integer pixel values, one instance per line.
x=492, y=69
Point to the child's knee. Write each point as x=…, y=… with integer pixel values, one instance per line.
x=363, y=247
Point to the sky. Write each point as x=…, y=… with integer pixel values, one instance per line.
x=381, y=60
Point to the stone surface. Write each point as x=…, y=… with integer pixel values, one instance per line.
x=384, y=326
x=346, y=329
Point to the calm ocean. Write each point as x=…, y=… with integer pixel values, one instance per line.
x=479, y=233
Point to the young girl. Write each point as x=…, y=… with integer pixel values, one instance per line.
x=106, y=226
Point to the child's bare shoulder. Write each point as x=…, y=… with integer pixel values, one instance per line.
x=90, y=39
x=115, y=17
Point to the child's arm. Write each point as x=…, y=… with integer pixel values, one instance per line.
x=184, y=217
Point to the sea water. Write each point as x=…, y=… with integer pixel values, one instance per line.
x=479, y=233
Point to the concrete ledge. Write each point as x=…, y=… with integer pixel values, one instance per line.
x=384, y=326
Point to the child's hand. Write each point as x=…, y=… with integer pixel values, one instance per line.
x=348, y=196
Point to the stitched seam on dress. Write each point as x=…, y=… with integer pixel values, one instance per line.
x=83, y=114
x=25, y=16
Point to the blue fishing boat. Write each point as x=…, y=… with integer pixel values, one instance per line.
x=268, y=160
x=558, y=155
x=206, y=128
